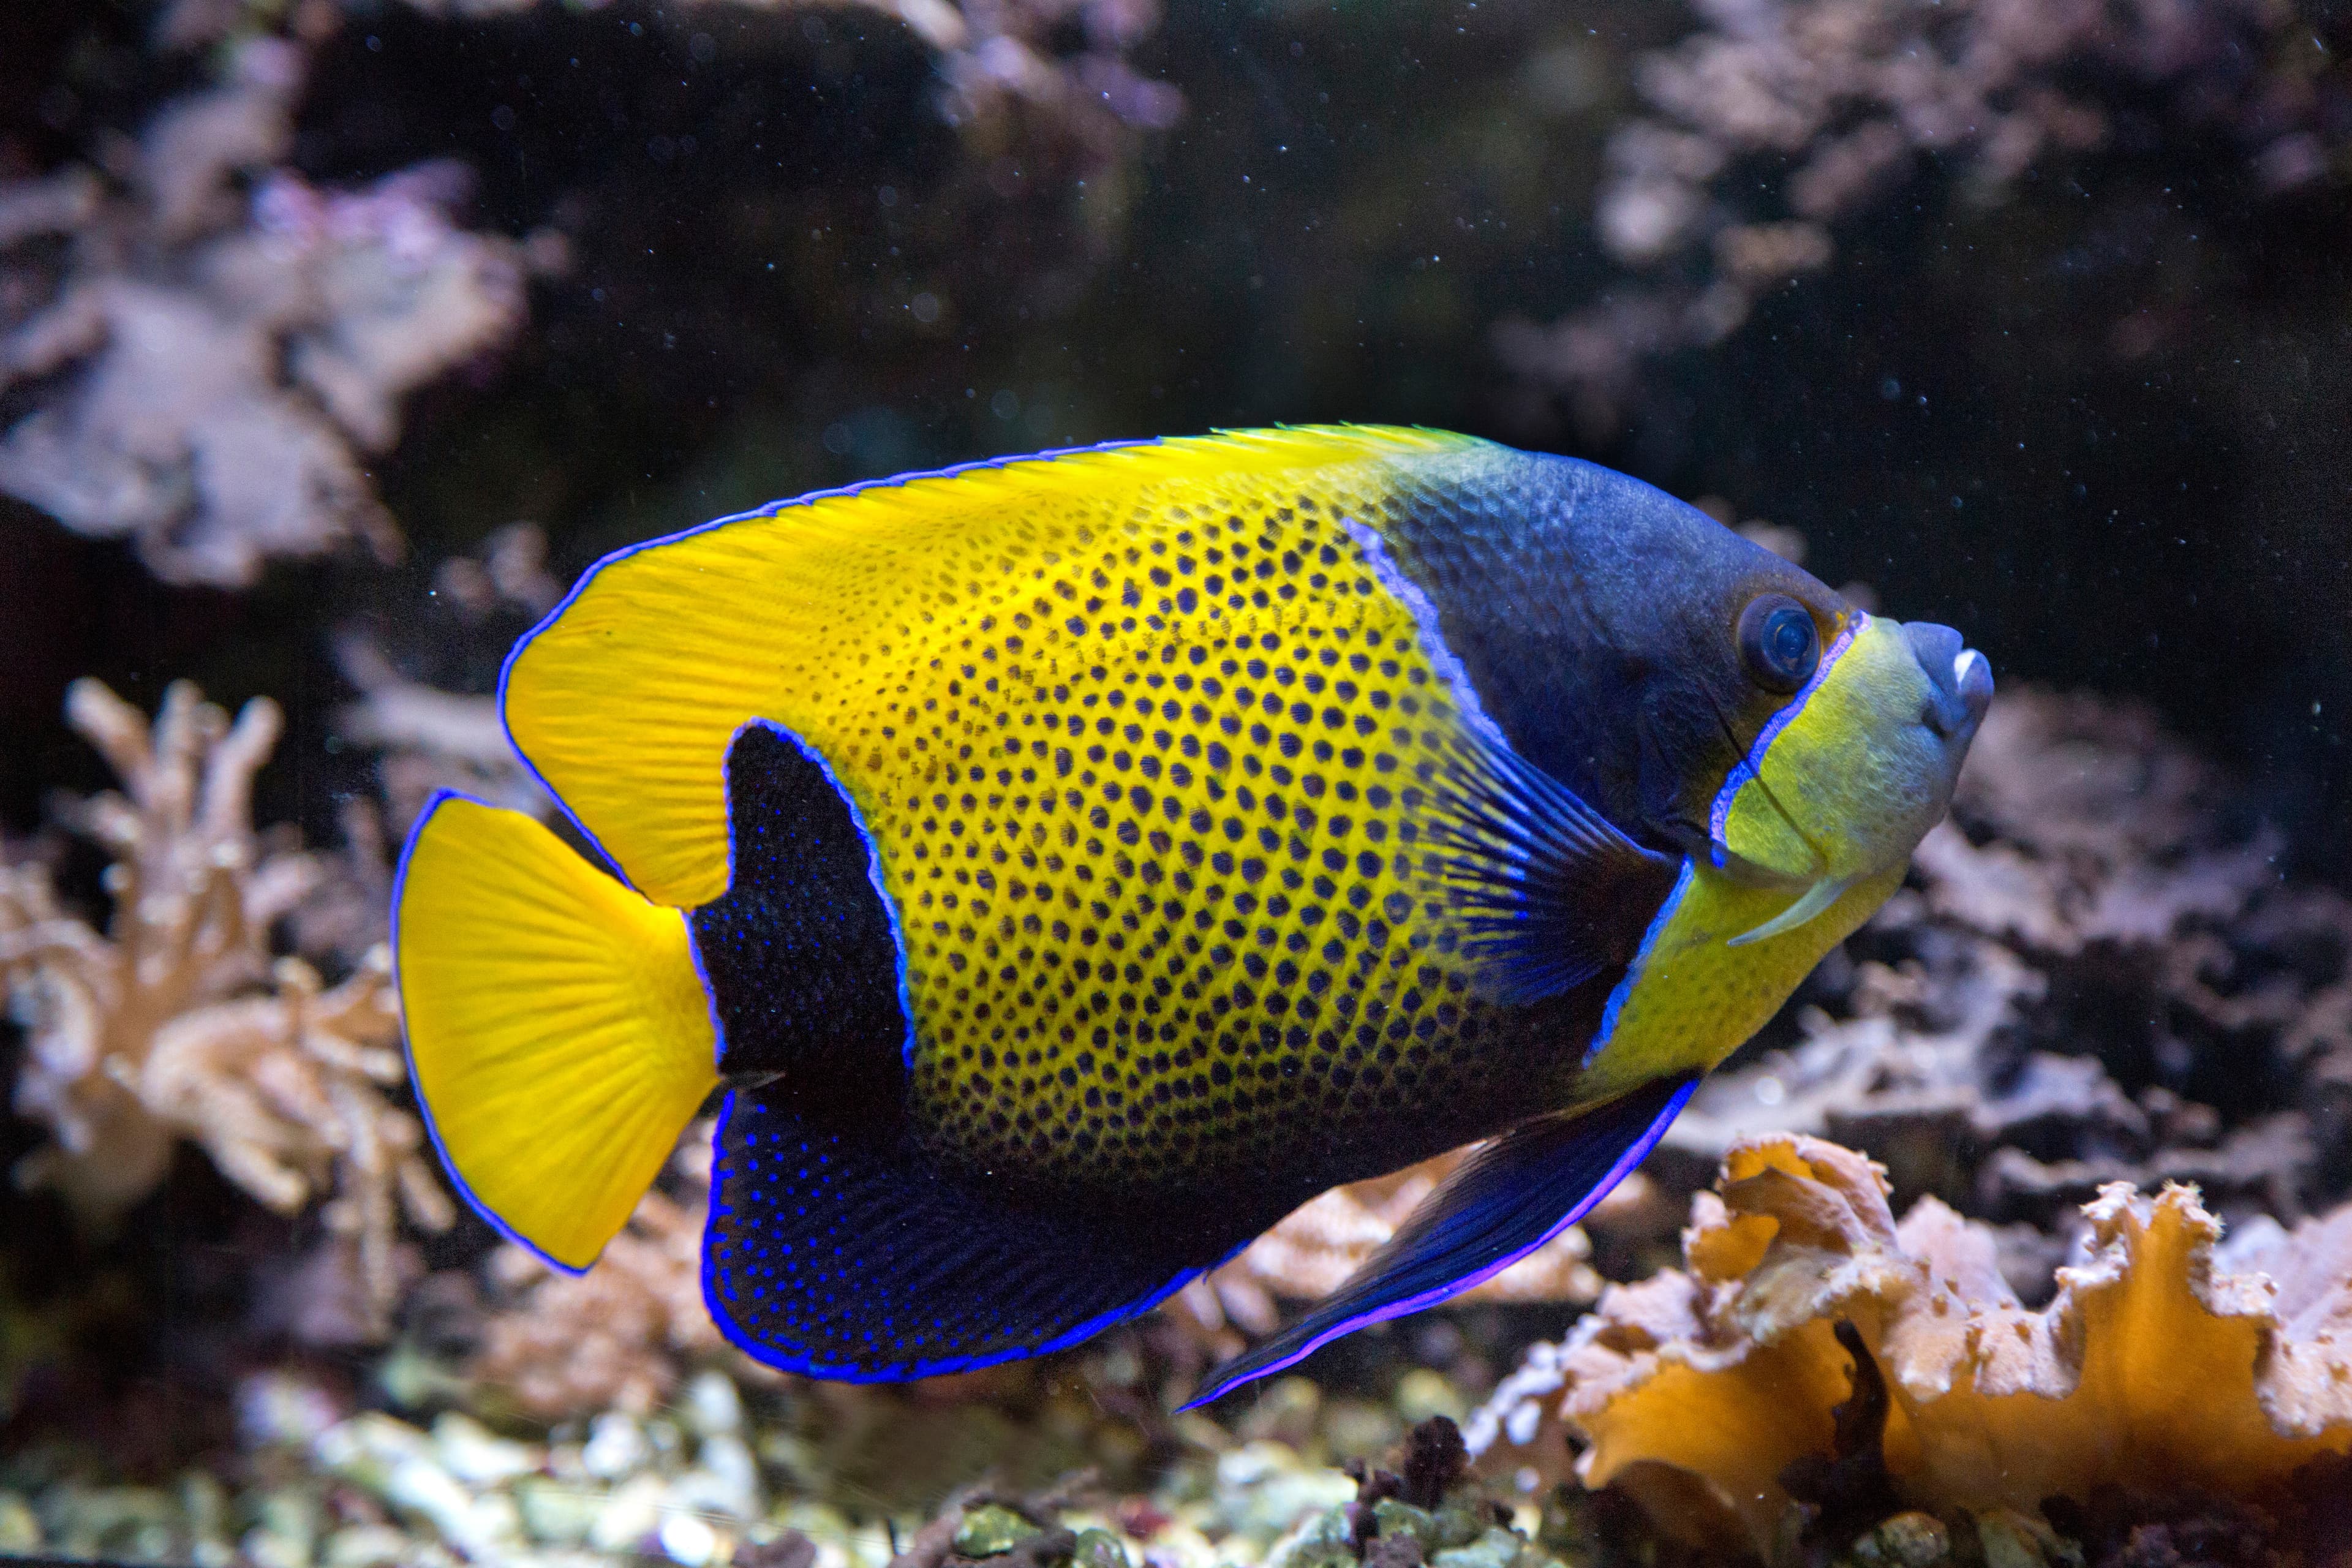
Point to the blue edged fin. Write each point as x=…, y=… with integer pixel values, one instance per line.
x=1549, y=893
x=843, y=1250
x=557, y=1036
x=1510, y=1198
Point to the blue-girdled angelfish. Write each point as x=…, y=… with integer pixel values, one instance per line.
x=1065, y=865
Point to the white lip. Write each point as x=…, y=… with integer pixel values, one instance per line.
x=1961, y=662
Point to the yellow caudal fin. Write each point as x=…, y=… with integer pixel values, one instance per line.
x=558, y=1036
x=814, y=615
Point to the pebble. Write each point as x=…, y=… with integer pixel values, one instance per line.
x=711, y=1405
x=685, y=1539
x=1905, y=1541
x=990, y=1529
x=631, y=1515
x=20, y=1531
x=476, y=1456
x=1098, y=1549
x=616, y=1447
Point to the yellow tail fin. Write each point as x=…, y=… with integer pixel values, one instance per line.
x=558, y=1034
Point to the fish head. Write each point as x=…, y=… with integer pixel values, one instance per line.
x=1850, y=773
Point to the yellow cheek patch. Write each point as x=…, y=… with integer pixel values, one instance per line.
x=1837, y=760
x=1690, y=1000
x=1831, y=798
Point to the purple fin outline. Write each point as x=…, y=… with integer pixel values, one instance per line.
x=902, y=1372
x=1635, y=1153
x=408, y=1050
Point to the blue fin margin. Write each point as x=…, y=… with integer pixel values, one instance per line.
x=1513, y=1196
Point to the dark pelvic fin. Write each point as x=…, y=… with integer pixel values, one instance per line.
x=1547, y=892
x=850, y=1254
x=802, y=954
x=1510, y=1198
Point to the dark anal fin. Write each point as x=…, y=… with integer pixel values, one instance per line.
x=1547, y=891
x=1512, y=1196
x=801, y=953
x=850, y=1253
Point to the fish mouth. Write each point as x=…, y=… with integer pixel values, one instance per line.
x=1959, y=683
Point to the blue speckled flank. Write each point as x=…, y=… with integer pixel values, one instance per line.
x=942, y=1260
x=772, y=509
x=408, y=1053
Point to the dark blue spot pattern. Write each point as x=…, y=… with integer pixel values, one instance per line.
x=849, y=1252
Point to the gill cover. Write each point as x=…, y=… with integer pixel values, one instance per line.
x=1811, y=831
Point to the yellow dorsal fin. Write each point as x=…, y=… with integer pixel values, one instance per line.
x=806, y=613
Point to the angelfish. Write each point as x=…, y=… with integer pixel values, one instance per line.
x=1065, y=865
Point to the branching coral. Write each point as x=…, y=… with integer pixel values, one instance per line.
x=2165, y=1360
x=1841, y=98
x=1065, y=61
x=209, y=371
x=175, y=1023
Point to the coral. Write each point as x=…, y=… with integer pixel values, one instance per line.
x=2168, y=1359
x=1318, y=1245
x=176, y=1024
x=1065, y=61
x=1842, y=99
x=2087, y=955
x=425, y=677
x=209, y=372
x=616, y=1337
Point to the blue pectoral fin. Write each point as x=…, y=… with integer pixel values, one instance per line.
x=1510, y=1198
x=1549, y=892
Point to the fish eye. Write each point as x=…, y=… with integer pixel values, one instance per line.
x=1779, y=643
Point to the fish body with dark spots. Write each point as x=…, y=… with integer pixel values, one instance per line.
x=1069, y=864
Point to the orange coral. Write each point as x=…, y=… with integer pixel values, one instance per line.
x=2164, y=1359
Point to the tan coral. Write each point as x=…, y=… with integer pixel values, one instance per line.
x=2157, y=1362
x=617, y=1336
x=1323, y=1241
x=176, y=1024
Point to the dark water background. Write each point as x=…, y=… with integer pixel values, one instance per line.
x=1355, y=194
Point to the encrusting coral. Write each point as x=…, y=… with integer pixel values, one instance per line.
x=1828, y=105
x=617, y=1337
x=1313, y=1250
x=2095, y=980
x=621, y=1335
x=212, y=368
x=175, y=1023
x=2168, y=1359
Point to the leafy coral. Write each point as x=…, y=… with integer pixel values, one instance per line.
x=2165, y=1360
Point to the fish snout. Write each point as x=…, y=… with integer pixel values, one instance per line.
x=1959, y=679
